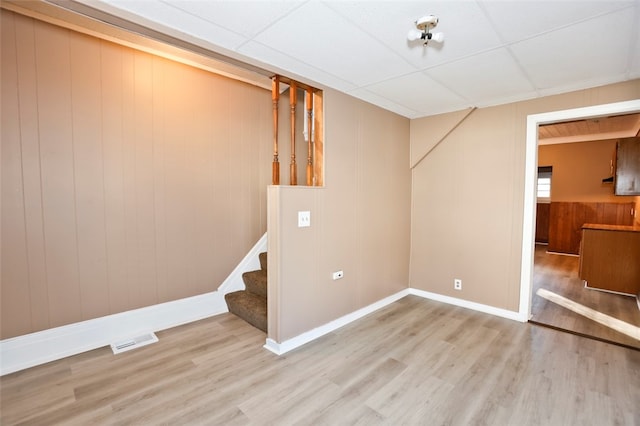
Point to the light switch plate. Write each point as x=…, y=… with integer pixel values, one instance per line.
x=304, y=219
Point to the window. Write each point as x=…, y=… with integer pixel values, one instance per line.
x=544, y=184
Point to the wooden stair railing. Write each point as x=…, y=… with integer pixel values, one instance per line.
x=275, y=98
x=293, y=100
x=309, y=101
x=313, y=124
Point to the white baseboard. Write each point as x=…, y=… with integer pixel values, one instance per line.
x=37, y=348
x=512, y=315
x=295, y=342
x=306, y=337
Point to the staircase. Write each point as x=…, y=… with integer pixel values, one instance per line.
x=251, y=304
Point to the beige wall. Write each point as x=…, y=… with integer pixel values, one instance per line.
x=467, y=197
x=578, y=170
x=360, y=222
x=127, y=179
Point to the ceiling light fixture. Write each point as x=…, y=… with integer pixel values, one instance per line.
x=424, y=26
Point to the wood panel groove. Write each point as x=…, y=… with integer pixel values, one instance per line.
x=123, y=169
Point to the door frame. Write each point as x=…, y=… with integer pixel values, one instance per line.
x=531, y=164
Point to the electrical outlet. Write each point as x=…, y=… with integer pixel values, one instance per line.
x=457, y=284
x=304, y=219
x=337, y=275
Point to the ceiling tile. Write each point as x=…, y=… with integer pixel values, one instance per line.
x=292, y=68
x=390, y=21
x=167, y=15
x=383, y=102
x=316, y=35
x=420, y=93
x=234, y=16
x=517, y=20
x=573, y=56
x=634, y=50
x=484, y=79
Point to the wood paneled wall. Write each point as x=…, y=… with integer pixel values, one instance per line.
x=127, y=179
x=566, y=221
x=542, y=222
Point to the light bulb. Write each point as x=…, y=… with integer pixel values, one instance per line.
x=414, y=35
x=439, y=37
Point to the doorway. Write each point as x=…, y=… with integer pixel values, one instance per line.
x=531, y=168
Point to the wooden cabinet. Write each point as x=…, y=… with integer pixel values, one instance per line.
x=610, y=258
x=627, y=167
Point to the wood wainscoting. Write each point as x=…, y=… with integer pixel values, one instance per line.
x=567, y=218
x=542, y=222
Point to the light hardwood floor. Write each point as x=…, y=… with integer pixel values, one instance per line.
x=559, y=274
x=414, y=362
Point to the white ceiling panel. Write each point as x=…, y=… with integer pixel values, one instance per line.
x=518, y=20
x=390, y=21
x=634, y=51
x=167, y=15
x=573, y=54
x=494, y=51
x=420, y=93
x=318, y=36
x=247, y=17
x=293, y=68
x=383, y=102
x=489, y=75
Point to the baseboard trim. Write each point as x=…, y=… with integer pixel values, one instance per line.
x=306, y=337
x=504, y=313
x=37, y=348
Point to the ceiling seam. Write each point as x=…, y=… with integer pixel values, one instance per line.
x=373, y=36
x=507, y=47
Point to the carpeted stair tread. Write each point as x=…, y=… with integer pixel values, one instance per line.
x=256, y=282
x=251, y=304
x=248, y=306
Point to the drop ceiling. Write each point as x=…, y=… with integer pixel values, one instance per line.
x=494, y=52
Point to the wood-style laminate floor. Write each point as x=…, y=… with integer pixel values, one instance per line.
x=414, y=362
x=559, y=274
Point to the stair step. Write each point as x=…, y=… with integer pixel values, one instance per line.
x=263, y=260
x=248, y=306
x=256, y=282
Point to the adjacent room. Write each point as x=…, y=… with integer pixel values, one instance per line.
x=577, y=196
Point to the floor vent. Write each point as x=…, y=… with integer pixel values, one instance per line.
x=136, y=342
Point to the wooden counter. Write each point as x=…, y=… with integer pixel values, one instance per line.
x=610, y=258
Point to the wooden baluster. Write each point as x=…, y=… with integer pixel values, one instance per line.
x=318, y=142
x=309, y=99
x=275, y=97
x=293, y=100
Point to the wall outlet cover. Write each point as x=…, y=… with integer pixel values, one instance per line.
x=304, y=219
